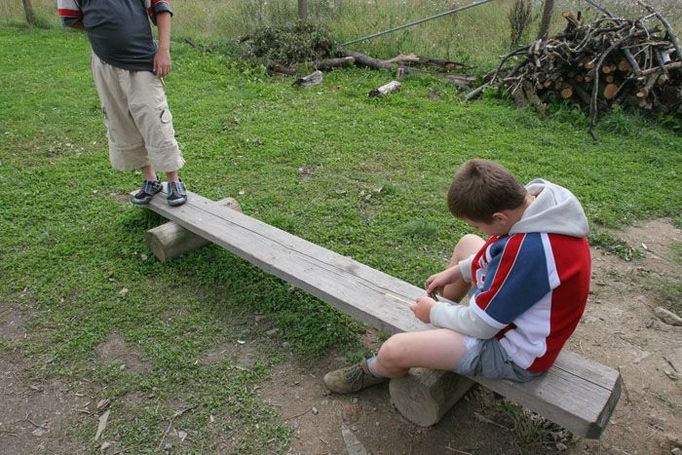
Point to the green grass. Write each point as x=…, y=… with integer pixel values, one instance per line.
x=376, y=174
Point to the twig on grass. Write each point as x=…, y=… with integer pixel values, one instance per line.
x=170, y=424
x=299, y=415
x=28, y=419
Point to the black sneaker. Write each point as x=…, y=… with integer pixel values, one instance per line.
x=146, y=192
x=177, y=195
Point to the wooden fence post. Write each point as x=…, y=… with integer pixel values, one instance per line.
x=303, y=10
x=28, y=11
x=546, y=18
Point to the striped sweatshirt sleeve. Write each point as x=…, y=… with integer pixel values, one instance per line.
x=69, y=11
x=517, y=277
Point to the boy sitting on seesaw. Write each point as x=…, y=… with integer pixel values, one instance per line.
x=530, y=284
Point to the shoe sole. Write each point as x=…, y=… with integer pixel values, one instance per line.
x=177, y=202
x=144, y=201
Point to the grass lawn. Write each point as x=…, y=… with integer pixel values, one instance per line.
x=364, y=177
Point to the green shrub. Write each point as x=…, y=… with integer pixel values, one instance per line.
x=288, y=44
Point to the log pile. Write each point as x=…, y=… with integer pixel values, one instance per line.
x=610, y=62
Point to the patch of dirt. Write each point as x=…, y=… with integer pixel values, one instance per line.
x=245, y=355
x=116, y=350
x=35, y=415
x=12, y=323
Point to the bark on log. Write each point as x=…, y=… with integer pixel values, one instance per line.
x=424, y=396
x=366, y=60
x=331, y=63
x=546, y=18
x=28, y=11
x=171, y=240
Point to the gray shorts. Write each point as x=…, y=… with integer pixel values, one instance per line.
x=488, y=358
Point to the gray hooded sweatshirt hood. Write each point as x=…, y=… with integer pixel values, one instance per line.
x=555, y=210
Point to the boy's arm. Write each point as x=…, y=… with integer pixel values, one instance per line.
x=162, y=59
x=71, y=14
x=516, y=278
x=462, y=319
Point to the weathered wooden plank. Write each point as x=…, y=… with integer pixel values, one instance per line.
x=367, y=294
x=576, y=393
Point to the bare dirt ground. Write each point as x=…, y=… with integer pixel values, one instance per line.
x=618, y=329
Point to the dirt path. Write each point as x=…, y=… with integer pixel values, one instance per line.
x=619, y=329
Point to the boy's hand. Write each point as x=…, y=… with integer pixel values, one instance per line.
x=422, y=308
x=436, y=282
x=162, y=62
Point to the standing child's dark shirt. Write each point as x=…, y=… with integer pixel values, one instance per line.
x=119, y=30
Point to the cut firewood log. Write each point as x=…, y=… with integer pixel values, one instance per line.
x=385, y=89
x=566, y=92
x=609, y=79
x=610, y=91
x=311, y=79
x=644, y=91
x=624, y=65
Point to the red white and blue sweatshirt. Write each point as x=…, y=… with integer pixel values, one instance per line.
x=531, y=285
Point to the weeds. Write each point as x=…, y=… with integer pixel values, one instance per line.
x=612, y=244
x=288, y=44
x=520, y=18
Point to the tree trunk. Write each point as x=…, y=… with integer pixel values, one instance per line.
x=303, y=10
x=28, y=10
x=546, y=18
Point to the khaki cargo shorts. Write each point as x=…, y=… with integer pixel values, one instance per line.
x=139, y=123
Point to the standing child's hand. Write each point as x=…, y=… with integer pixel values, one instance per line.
x=422, y=308
x=162, y=62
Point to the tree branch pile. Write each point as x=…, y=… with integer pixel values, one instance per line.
x=607, y=63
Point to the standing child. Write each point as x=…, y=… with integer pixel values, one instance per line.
x=530, y=284
x=128, y=68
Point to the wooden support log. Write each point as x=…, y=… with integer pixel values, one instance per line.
x=424, y=396
x=385, y=89
x=171, y=240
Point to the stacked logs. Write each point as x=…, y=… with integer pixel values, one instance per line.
x=610, y=62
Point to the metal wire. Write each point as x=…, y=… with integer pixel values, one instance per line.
x=420, y=21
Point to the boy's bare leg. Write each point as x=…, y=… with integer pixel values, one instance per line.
x=172, y=176
x=467, y=245
x=149, y=173
x=438, y=349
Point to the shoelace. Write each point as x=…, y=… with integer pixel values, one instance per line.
x=355, y=374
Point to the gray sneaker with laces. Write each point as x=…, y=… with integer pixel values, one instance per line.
x=177, y=194
x=351, y=379
x=146, y=192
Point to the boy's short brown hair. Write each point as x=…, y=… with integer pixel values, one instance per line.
x=481, y=188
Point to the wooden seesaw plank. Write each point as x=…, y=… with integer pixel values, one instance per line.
x=576, y=393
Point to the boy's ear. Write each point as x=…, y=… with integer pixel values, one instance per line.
x=500, y=217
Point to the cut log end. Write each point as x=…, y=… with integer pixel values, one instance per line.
x=385, y=89
x=171, y=240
